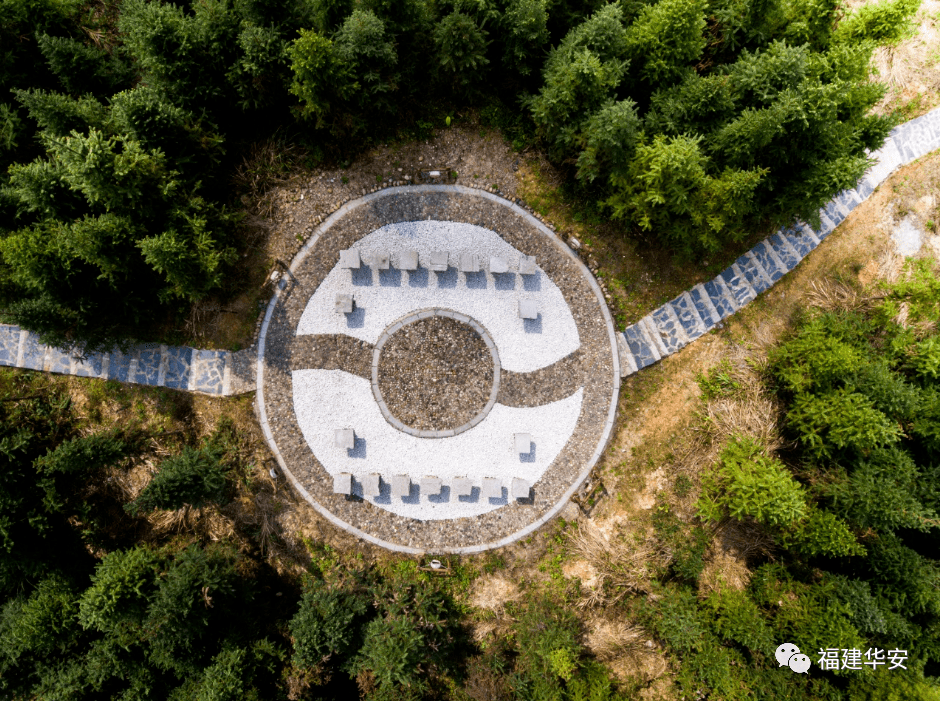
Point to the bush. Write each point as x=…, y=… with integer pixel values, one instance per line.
x=524, y=27
x=326, y=624
x=195, y=477
x=461, y=49
x=84, y=69
x=666, y=39
x=838, y=421
x=885, y=22
x=322, y=78
x=748, y=483
x=667, y=189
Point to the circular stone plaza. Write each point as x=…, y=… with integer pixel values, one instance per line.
x=438, y=372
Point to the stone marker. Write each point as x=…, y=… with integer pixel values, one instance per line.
x=371, y=486
x=344, y=304
x=523, y=442
x=492, y=488
x=527, y=265
x=438, y=261
x=345, y=438
x=461, y=487
x=342, y=483
x=401, y=486
x=528, y=309
x=469, y=263
x=380, y=260
x=519, y=489
x=431, y=486
x=408, y=260
x=349, y=258
x=498, y=265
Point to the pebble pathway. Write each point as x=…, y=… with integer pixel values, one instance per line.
x=662, y=332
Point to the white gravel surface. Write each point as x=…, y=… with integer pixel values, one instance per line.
x=382, y=297
x=325, y=400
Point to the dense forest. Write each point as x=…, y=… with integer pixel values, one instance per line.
x=840, y=511
x=121, y=122
x=697, y=120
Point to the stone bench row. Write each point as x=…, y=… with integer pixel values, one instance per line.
x=679, y=322
x=175, y=367
x=400, y=486
x=438, y=261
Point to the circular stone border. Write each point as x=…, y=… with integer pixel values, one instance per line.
x=600, y=369
x=392, y=329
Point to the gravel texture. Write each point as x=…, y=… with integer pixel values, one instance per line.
x=435, y=374
x=292, y=417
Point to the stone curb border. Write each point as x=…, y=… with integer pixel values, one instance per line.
x=410, y=319
x=612, y=335
x=677, y=323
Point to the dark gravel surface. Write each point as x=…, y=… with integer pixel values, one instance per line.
x=435, y=374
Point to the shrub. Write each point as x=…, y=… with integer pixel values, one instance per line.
x=364, y=45
x=60, y=115
x=524, y=32
x=748, y=483
x=822, y=533
x=667, y=189
x=85, y=69
x=813, y=359
x=609, y=139
x=325, y=624
x=580, y=76
x=666, y=39
x=738, y=618
x=461, y=49
x=885, y=22
x=195, y=477
x=545, y=635
x=322, y=78
x=392, y=652
x=838, y=421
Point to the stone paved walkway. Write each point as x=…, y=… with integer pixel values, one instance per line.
x=662, y=332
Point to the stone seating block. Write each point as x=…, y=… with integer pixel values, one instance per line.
x=528, y=309
x=345, y=438
x=342, y=483
x=401, y=486
x=431, y=486
x=408, y=260
x=371, y=487
x=349, y=258
x=498, y=265
x=438, y=261
x=527, y=265
x=380, y=260
x=469, y=263
x=519, y=489
x=523, y=442
x=492, y=488
x=344, y=304
x=461, y=487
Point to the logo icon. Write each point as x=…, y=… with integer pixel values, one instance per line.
x=785, y=652
x=789, y=655
x=799, y=663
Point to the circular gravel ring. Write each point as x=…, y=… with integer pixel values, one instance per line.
x=390, y=332
x=599, y=374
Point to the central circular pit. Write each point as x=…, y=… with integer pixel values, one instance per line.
x=435, y=373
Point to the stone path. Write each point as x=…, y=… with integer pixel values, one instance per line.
x=662, y=332
x=212, y=372
x=693, y=313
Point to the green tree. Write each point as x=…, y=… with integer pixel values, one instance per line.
x=195, y=477
x=461, y=49
x=748, y=483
